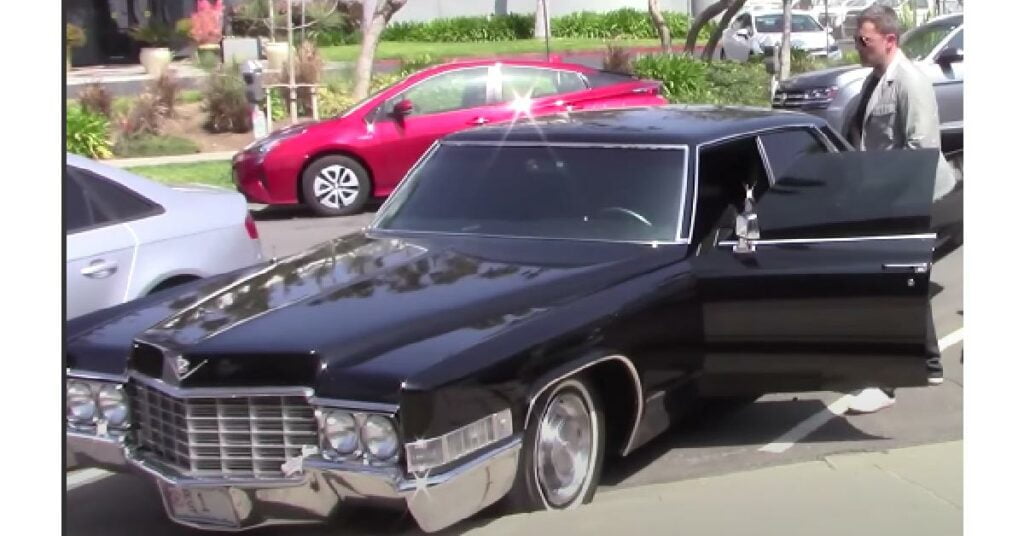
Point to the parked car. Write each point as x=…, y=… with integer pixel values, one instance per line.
x=128, y=237
x=920, y=11
x=335, y=166
x=754, y=30
x=936, y=47
x=532, y=299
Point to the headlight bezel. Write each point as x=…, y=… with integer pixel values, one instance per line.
x=99, y=420
x=361, y=453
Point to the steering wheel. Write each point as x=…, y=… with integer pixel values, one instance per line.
x=628, y=212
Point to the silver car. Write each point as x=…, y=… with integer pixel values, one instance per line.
x=936, y=47
x=128, y=236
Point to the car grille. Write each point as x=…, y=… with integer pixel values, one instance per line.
x=236, y=437
x=796, y=99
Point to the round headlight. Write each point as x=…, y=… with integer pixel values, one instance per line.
x=379, y=437
x=81, y=405
x=113, y=406
x=340, y=432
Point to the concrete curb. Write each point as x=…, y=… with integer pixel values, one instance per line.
x=176, y=159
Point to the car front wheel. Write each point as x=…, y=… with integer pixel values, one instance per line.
x=335, y=185
x=563, y=449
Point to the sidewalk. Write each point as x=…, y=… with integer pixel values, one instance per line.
x=175, y=159
x=914, y=490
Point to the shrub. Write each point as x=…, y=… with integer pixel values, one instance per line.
x=618, y=60
x=462, y=29
x=74, y=36
x=153, y=145
x=689, y=80
x=309, y=68
x=419, y=62
x=166, y=89
x=334, y=99
x=144, y=117
x=94, y=98
x=224, y=101
x=87, y=133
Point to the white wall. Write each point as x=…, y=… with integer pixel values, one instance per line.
x=422, y=10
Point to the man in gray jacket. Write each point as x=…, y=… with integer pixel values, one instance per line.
x=897, y=110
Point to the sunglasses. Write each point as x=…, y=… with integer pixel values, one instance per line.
x=862, y=41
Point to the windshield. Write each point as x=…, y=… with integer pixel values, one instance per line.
x=919, y=42
x=553, y=191
x=773, y=24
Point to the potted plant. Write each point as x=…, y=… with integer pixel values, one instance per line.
x=206, y=30
x=74, y=37
x=156, y=55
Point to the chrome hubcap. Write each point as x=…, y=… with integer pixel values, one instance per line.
x=565, y=446
x=336, y=186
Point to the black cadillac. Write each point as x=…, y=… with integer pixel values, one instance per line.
x=533, y=298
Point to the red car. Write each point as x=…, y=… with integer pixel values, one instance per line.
x=336, y=165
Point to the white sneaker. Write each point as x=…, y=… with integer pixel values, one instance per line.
x=869, y=400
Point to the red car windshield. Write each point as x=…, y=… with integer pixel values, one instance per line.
x=571, y=192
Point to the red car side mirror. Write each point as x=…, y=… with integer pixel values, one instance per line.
x=402, y=108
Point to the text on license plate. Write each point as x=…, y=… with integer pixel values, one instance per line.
x=203, y=505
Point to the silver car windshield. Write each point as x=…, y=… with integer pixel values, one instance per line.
x=611, y=193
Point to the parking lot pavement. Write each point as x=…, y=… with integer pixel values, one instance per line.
x=776, y=430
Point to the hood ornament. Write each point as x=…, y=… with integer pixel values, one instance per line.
x=181, y=367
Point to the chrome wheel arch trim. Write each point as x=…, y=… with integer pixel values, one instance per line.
x=638, y=391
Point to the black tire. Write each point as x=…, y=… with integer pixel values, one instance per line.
x=527, y=494
x=347, y=175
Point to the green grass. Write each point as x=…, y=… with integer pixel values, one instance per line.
x=150, y=145
x=188, y=96
x=210, y=173
x=402, y=49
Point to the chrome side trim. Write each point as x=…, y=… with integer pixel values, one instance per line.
x=636, y=383
x=370, y=407
x=764, y=162
x=578, y=144
x=218, y=392
x=652, y=243
x=922, y=236
x=79, y=374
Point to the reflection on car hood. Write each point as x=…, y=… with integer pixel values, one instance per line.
x=392, y=306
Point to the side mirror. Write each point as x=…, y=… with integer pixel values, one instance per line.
x=950, y=55
x=748, y=229
x=402, y=108
x=743, y=32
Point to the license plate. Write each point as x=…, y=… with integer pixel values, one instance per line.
x=211, y=506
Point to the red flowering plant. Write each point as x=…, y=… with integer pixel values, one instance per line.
x=207, y=22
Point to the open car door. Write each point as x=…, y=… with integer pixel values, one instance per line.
x=834, y=292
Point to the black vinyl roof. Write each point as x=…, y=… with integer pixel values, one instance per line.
x=674, y=124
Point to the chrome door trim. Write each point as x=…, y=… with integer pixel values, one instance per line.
x=770, y=242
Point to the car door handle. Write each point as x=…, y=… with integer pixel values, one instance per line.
x=916, y=267
x=99, y=269
x=479, y=121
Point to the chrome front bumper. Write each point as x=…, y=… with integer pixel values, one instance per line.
x=435, y=501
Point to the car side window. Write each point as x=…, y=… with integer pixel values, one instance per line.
x=536, y=82
x=785, y=147
x=725, y=172
x=956, y=42
x=77, y=212
x=109, y=201
x=453, y=90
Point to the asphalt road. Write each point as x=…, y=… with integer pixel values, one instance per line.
x=777, y=429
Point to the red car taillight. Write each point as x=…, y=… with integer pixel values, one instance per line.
x=250, y=227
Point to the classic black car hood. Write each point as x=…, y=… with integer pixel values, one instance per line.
x=359, y=301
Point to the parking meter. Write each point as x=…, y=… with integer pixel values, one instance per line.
x=771, y=64
x=254, y=93
x=252, y=75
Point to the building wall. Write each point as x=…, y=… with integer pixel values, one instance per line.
x=423, y=10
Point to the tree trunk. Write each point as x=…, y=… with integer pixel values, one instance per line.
x=702, y=19
x=371, y=35
x=784, y=48
x=654, y=6
x=541, y=20
x=734, y=8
